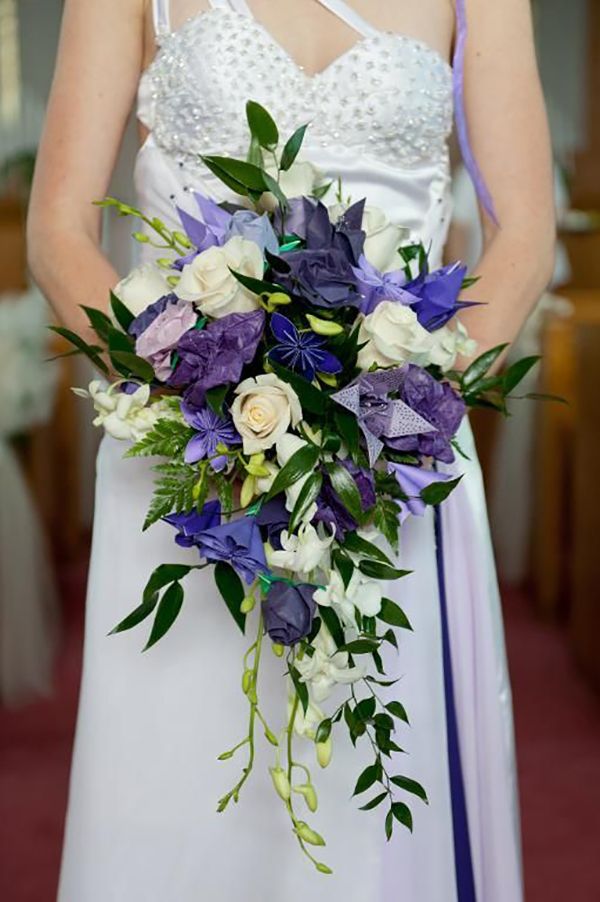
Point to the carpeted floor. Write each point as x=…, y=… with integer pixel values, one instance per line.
x=558, y=739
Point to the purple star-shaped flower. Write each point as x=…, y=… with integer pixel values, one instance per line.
x=211, y=430
x=379, y=415
x=376, y=286
x=211, y=229
x=436, y=295
x=412, y=480
x=301, y=351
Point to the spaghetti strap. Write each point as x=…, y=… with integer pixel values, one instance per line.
x=462, y=129
x=238, y=6
x=350, y=17
x=161, y=17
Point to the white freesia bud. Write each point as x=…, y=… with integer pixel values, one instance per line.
x=124, y=416
x=143, y=286
x=393, y=335
x=281, y=783
x=263, y=410
x=209, y=283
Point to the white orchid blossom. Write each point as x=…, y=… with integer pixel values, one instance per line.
x=327, y=667
x=305, y=723
x=302, y=552
x=361, y=593
x=126, y=417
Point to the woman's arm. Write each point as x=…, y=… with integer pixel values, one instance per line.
x=509, y=133
x=99, y=62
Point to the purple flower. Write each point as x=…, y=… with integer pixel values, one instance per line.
x=217, y=354
x=436, y=295
x=376, y=286
x=330, y=510
x=238, y=543
x=253, y=227
x=273, y=518
x=211, y=229
x=158, y=340
x=412, y=480
x=211, y=430
x=190, y=525
x=288, y=611
x=301, y=351
x=440, y=405
x=147, y=316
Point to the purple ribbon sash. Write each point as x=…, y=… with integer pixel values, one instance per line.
x=465, y=882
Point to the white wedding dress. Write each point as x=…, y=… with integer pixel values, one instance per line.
x=142, y=825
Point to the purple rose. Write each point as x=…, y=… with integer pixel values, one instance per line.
x=159, y=339
x=217, y=354
x=189, y=526
x=239, y=543
x=440, y=405
x=288, y=611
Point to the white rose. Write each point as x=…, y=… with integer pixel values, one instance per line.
x=208, y=281
x=448, y=344
x=125, y=417
x=143, y=286
x=300, y=180
x=263, y=410
x=393, y=335
x=286, y=446
x=383, y=238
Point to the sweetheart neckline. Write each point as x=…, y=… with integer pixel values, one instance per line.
x=362, y=41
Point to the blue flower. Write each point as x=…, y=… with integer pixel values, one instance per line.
x=211, y=430
x=239, y=543
x=301, y=351
x=436, y=295
x=189, y=526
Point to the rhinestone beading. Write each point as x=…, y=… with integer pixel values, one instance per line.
x=389, y=97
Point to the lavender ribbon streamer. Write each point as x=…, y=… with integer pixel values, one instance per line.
x=465, y=881
x=458, y=68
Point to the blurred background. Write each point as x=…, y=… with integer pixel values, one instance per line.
x=540, y=471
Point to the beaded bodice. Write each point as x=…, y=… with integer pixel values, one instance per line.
x=389, y=97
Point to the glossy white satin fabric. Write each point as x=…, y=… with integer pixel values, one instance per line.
x=142, y=825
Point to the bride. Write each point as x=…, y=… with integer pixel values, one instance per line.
x=378, y=82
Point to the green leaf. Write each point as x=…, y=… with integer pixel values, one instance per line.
x=300, y=463
x=332, y=622
x=402, y=813
x=274, y=187
x=255, y=155
x=517, y=372
x=384, y=722
x=308, y=493
x=99, y=321
x=134, y=365
x=162, y=576
x=167, y=438
x=381, y=571
x=300, y=687
x=123, y=314
x=311, y=399
x=542, y=396
x=238, y=172
x=215, y=398
x=256, y=286
x=369, y=776
x=346, y=489
x=386, y=520
x=343, y=565
x=262, y=125
x=439, y=491
x=82, y=346
x=410, y=786
x=365, y=708
x=354, y=543
x=347, y=426
x=292, y=148
x=136, y=616
x=166, y=614
x=324, y=731
x=232, y=591
x=174, y=490
x=393, y=614
x=360, y=647
x=389, y=825
x=481, y=365
x=374, y=802
x=398, y=710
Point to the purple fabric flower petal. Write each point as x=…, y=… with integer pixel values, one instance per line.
x=190, y=525
x=288, y=611
x=239, y=543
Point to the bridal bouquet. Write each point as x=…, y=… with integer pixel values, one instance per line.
x=291, y=364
